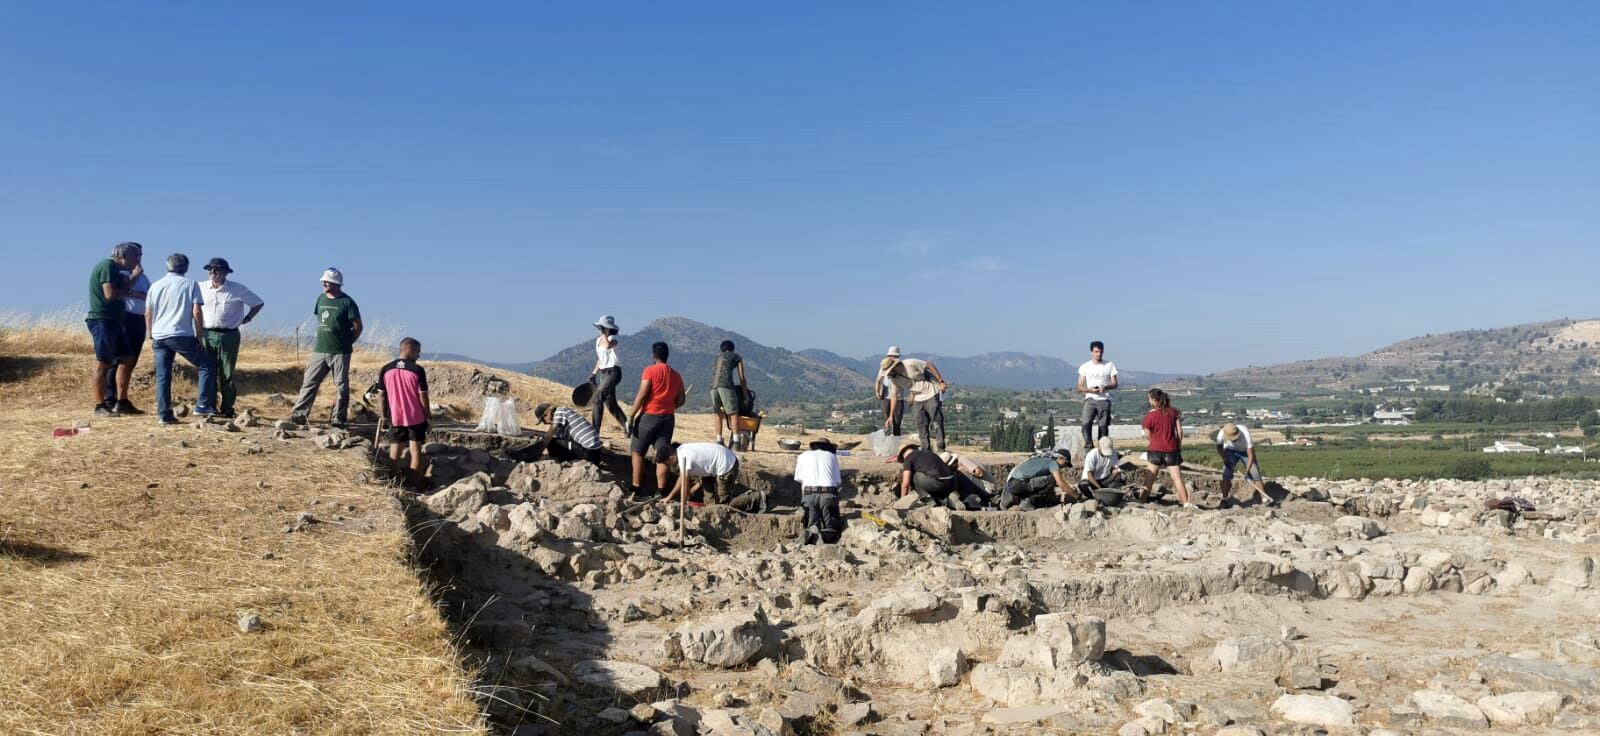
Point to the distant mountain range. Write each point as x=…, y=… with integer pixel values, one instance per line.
x=1555, y=358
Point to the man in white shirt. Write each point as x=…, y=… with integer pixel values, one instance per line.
x=696, y=461
x=817, y=471
x=1234, y=446
x=174, y=318
x=226, y=306
x=1097, y=378
x=1100, y=469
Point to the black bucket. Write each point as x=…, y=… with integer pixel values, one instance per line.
x=582, y=393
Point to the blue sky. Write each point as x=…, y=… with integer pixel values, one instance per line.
x=1202, y=185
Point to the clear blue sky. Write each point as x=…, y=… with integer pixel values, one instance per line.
x=1203, y=185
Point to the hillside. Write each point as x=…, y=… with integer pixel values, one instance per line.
x=1006, y=370
x=775, y=374
x=1556, y=358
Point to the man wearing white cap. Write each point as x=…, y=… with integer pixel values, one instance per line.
x=338, y=329
x=1234, y=447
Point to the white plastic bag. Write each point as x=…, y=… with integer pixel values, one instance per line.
x=884, y=445
x=509, y=425
x=491, y=415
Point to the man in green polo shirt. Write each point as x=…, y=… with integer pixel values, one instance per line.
x=338, y=328
x=106, y=320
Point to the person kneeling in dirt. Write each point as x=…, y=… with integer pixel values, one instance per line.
x=1034, y=482
x=925, y=473
x=696, y=461
x=405, y=406
x=570, y=436
x=817, y=471
x=1100, y=469
x=972, y=481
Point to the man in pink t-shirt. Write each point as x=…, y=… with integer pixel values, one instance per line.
x=405, y=406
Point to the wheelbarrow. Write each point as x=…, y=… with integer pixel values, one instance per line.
x=745, y=430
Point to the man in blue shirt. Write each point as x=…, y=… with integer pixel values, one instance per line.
x=174, y=320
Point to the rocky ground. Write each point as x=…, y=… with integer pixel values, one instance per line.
x=1357, y=607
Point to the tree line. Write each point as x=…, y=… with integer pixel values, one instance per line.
x=1576, y=409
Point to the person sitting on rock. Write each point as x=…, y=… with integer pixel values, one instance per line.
x=1100, y=469
x=696, y=461
x=1033, y=482
x=570, y=437
x=817, y=471
x=404, y=405
x=925, y=473
x=973, y=488
x=1234, y=447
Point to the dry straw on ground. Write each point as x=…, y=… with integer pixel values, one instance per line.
x=127, y=556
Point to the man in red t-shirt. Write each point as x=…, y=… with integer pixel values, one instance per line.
x=651, y=421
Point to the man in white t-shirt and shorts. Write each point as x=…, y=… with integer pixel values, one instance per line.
x=1234, y=447
x=1097, y=378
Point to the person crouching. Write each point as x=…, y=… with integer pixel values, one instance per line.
x=817, y=471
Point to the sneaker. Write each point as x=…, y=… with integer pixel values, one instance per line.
x=204, y=412
x=168, y=421
x=223, y=414
x=103, y=410
x=300, y=419
x=1271, y=502
x=1191, y=507
x=126, y=407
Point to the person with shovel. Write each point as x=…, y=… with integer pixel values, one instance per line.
x=697, y=461
x=404, y=406
x=1234, y=447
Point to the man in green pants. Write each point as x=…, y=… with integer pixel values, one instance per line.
x=338, y=329
x=225, y=307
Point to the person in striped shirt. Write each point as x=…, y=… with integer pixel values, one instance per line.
x=570, y=437
x=405, y=405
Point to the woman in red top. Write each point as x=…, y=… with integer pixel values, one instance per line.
x=1163, y=429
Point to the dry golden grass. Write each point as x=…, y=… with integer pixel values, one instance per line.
x=126, y=559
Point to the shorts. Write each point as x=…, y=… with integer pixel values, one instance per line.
x=413, y=433
x=1231, y=458
x=1165, y=459
x=654, y=432
x=133, y=326
x=725, y=401
x=110, y=339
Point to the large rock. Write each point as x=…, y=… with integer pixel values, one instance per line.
x=1448, y=709
x=632, y=679
x=945, y=667
x=1316, y=710
x=1257, y=654
x=1574, y=574
x=461, y=499
x=724, y=640
x=1576, y=681
x=1058, y=642
x=1521, y=708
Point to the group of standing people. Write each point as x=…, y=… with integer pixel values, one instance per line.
x=201, y=322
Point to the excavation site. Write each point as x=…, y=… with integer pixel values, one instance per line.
x=1370, y=606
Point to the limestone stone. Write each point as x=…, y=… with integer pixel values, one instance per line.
x=724, y=640
x=1417, y=581
x=946, y=666
x=1576, y=573
x=1316, y=710
x=461, y=499
x=1147, y=726
x=1521, y=708
x=1448, y=709
x=630, y=678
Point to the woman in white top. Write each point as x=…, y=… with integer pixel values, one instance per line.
x=606, y=374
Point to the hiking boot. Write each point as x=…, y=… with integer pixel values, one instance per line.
x=104, y=410
x=299, y=419
x=126, y=408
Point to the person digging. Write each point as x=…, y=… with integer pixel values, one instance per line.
x=696, y=461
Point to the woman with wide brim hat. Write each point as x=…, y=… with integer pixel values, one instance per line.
x=604, y=378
